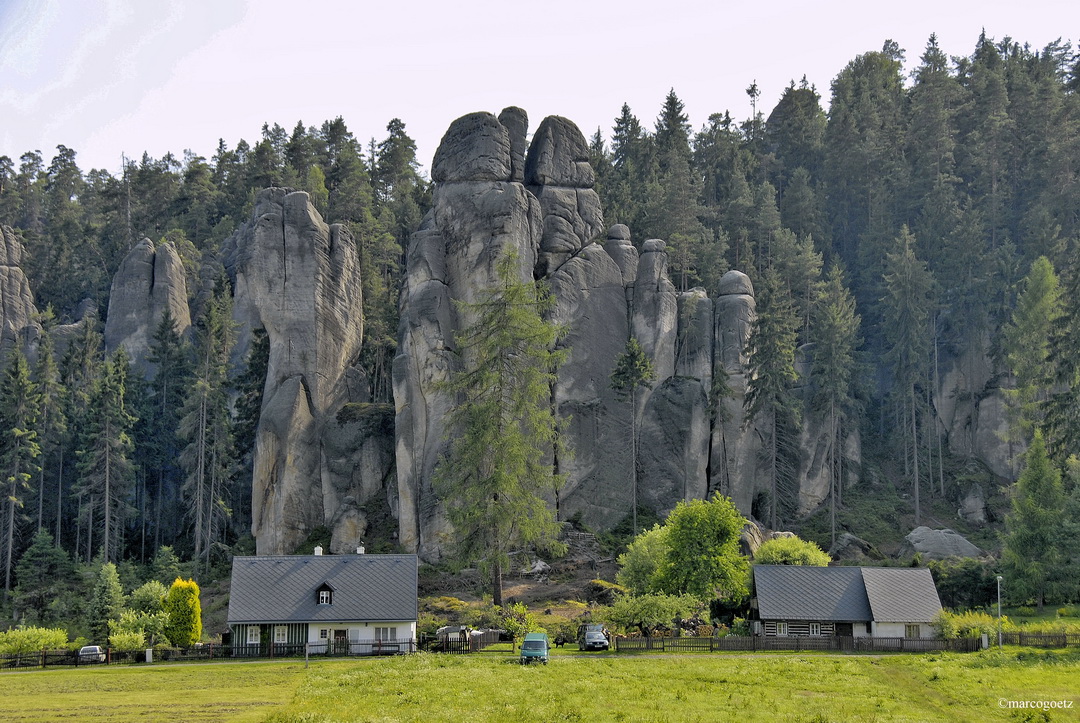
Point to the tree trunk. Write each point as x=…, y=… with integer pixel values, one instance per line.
x=915, y=458
x=496, y=583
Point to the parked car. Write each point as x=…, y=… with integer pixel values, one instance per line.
x=585, y=642
x=535, y=648
x=91, y=654
x=595, y=640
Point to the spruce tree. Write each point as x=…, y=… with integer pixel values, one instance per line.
x=769, y=401
x=19, y=450
x=498, y=469
x=106, y=603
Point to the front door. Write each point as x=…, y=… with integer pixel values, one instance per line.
x=341, y=642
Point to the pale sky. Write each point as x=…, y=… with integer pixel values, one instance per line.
x=106, y=77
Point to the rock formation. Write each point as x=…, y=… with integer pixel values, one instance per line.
x=18, y=315
x=149, y=281
x=299, y=279
x=938, y=544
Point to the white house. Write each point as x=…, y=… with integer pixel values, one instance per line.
x=346, y=604
x=882, y=602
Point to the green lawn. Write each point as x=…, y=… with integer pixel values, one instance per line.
x=478, y=688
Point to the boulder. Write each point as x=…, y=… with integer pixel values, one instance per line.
x=938, y=544
x=849, y=548
x=516, y=123
x=476, y=147
x=149, y=281
x=559, y=156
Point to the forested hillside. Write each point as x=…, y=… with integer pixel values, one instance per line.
x=932, y=212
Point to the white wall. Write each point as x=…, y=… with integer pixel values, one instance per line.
x=896, y=630
x=360, y=632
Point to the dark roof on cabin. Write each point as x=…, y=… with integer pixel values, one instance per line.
x=845, y=594
x=795, y=592
x=282, y=588
x=901, y=594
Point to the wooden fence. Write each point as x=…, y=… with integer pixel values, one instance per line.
x=798, y=643
x=1040, y=640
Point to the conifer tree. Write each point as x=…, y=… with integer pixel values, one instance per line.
x=52, y=426
x=185, y=613
x=771, y=375
x=206, y=426
x=44, y=573
x=106, y=603
x=498, y=467
x=105, y=467
x=19, y=450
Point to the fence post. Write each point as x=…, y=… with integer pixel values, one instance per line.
x=43, y=658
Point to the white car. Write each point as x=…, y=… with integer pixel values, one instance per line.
x=91, y=654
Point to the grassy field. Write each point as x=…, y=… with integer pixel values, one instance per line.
x=791, y=687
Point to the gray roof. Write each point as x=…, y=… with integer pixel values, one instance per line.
x=901, y=594
x=796, y=592
x=845, y=594
x=282, y=588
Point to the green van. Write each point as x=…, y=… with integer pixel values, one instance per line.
x=535, y=648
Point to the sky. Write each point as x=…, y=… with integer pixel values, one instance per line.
x=113, y=77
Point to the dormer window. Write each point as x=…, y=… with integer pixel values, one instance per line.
x=324, y=595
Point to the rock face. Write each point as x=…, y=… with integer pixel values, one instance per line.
x=299, y=279
x=605, y=290
x=148, y=282
x=18, y=324
x=938, y=544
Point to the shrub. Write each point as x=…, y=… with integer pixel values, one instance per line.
x=1067, y=612
x=185, y=613
x=791, y=551
x=969, y=624
x=29, y=639
x=127, y=640
x=603, y=592
x=1025, y=611
x=740, y=628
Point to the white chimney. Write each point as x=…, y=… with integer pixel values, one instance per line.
x=318, y=549
x=360, y=550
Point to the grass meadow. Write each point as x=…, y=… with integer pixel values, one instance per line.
x=479, y=688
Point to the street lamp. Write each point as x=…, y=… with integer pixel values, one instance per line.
x=999, y=611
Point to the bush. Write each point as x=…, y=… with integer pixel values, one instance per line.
x=1025, y=611
x=603, y=592
x=970, y=624
x=1067, y=612
x=30, y=639
x=791, y=551
x=127, y=640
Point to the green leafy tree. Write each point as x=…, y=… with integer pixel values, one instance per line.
x=30, y=639
x=148, y=597
x=19, y=449
x=498, y=467
x=1036, y=549
x=185, y=613
x=704, y=559
x=771, y=374
x=651, y=611
x=1026, y=340
x=106, y=602
x=633, y=369
x=791, y=551
x=645, y=556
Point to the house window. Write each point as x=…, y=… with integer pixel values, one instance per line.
x=281, y=634
x=911, y=631
x=253, y=635
x=325, y=597
x=385, y=634
x=323, y=633
x=815, y=628
x=781, y=629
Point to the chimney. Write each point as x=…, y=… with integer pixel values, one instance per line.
x=318, y=549
x=360, y=550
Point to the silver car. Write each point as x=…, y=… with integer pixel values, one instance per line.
x=91, y=654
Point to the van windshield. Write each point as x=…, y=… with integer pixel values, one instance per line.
x=533, y=645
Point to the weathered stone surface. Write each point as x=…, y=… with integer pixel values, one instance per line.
x=559, y=156
x=938, y=544
x=590, y=303
x=656, y=309
x=516, y=123
x=694, y=339
x=849, y=548
x=149, y=281
x=299, y=279
x=18, y=314
x=673, y=448
x=475, y=148
x=973, y=506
